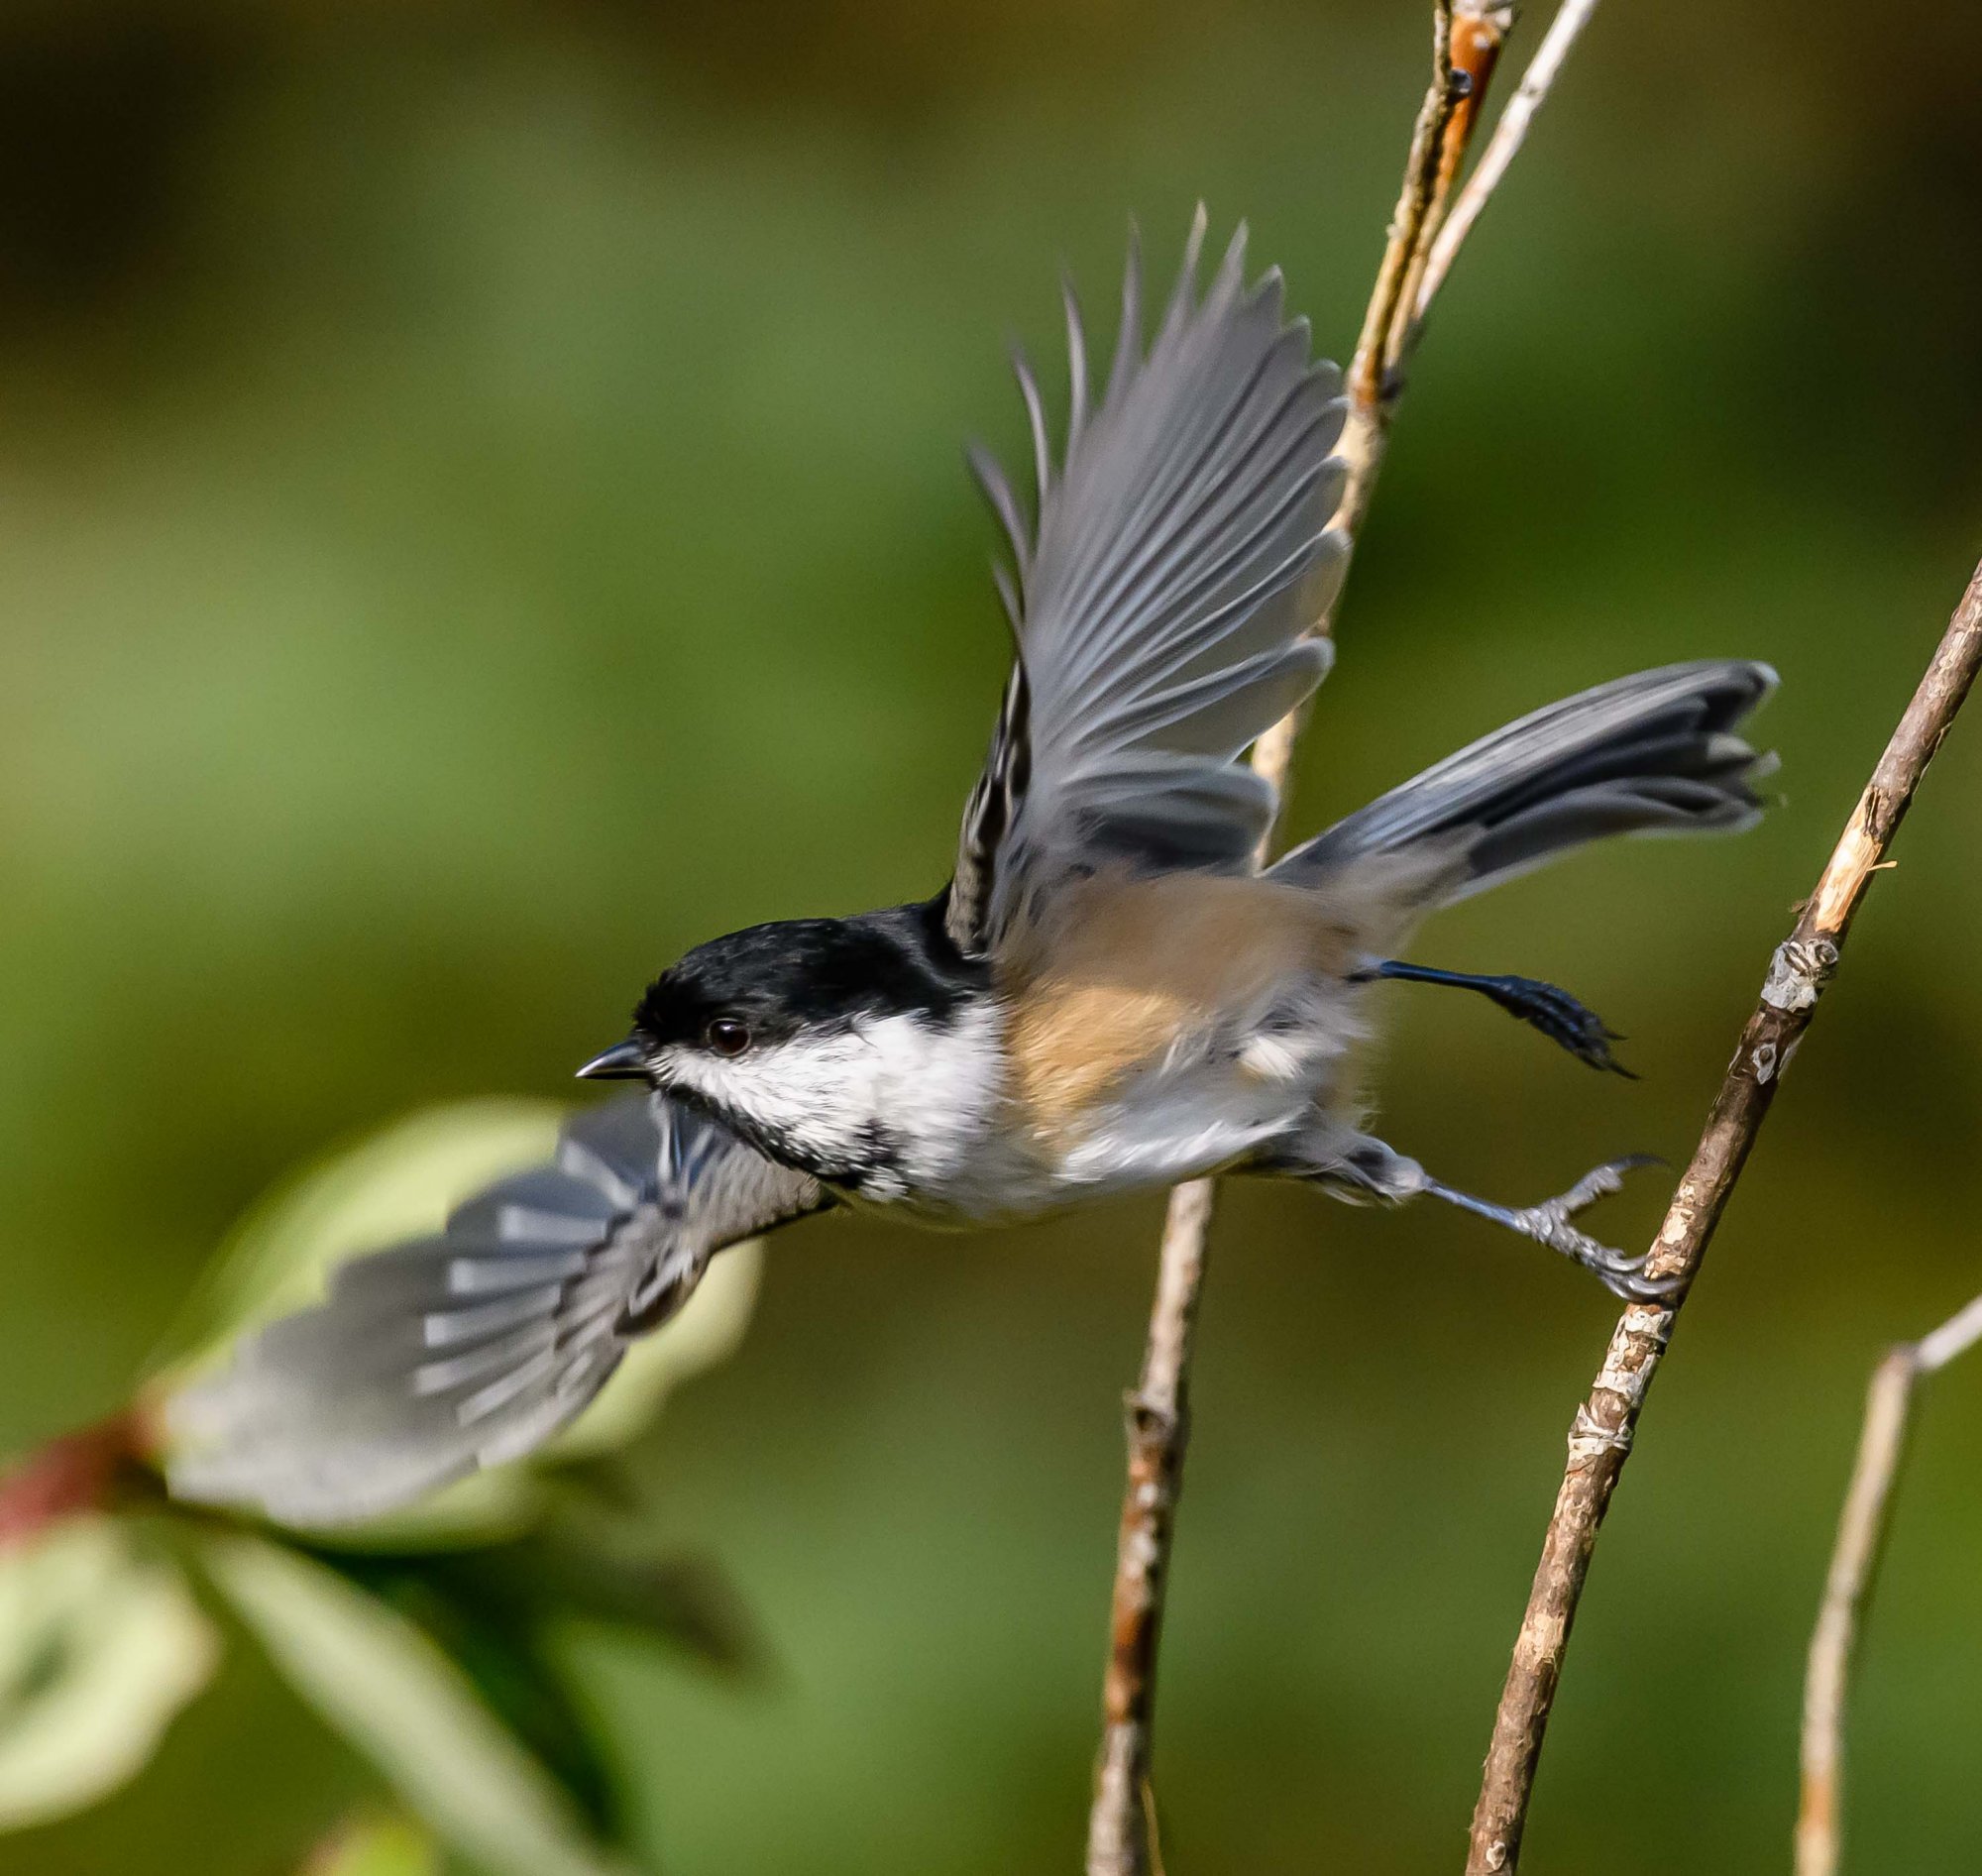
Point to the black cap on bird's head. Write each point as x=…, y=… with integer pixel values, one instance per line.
x=769, y=983
x=723, y=996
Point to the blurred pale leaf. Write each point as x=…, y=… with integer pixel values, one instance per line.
x=387, y=1688
x=376, y=1846
x=100, y=1648
x=484, y=1507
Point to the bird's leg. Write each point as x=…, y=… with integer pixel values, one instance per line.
x=1549, y=1224
x=1364, y=1170
x=1545, y=1005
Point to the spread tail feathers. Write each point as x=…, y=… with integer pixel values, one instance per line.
x=1652, y=753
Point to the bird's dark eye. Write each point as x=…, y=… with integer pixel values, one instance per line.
x=728, y=1036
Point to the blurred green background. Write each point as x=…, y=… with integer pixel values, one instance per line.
x=481, y=511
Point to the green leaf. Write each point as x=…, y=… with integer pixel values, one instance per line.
x=495, y=1611
x=495, y=1637
x=376, y=1846
x=100, y=1647
x=382, y=1684
x=575, y=1569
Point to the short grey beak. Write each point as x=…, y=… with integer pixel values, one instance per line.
x=623, y=1062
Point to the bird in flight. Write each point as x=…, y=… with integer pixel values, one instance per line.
x=1113, y=991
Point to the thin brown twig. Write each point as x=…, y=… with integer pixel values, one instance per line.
x=1508, y=136
x=1474, y=42
x=1466, y=43
x=1412, y=222
x=1602, y=1433
x=1861, y=1536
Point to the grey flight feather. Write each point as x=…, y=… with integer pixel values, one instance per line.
x=475, y=1346
x=1163, y=596
x=1653, y=753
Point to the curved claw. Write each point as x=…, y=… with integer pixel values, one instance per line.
x=1624, y=1276
x=1549, y=1224
x=1645, y=1289
x=1564, y=1020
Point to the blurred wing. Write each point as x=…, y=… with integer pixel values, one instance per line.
x=462, y=1350
x=1162, y=600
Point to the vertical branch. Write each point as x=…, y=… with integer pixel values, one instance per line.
x=1473, y=39
x=1411, y=221
x=1508, y=136
x=1861, y=1536
x=1121, y=1827
x=1466, y=38
x=1600, y=1436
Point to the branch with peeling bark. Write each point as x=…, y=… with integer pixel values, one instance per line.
x=1861, y=1536
x=1466, y=38
x=1606, y=1421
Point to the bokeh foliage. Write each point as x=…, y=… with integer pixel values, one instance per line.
x=482, y=513
x=425, y=1639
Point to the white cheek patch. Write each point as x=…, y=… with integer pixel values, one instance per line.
x=807, y=1092
x=920, y=1093
x=811, y=1092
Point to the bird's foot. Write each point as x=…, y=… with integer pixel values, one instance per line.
x=1549, y=1224
x=1564, y=1020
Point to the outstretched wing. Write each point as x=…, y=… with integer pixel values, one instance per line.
x=473, y=1346
x=1160, y=603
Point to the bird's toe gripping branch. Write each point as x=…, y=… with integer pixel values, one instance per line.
x=1549, y=1223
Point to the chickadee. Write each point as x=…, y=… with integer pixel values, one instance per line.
x=1110, y=994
